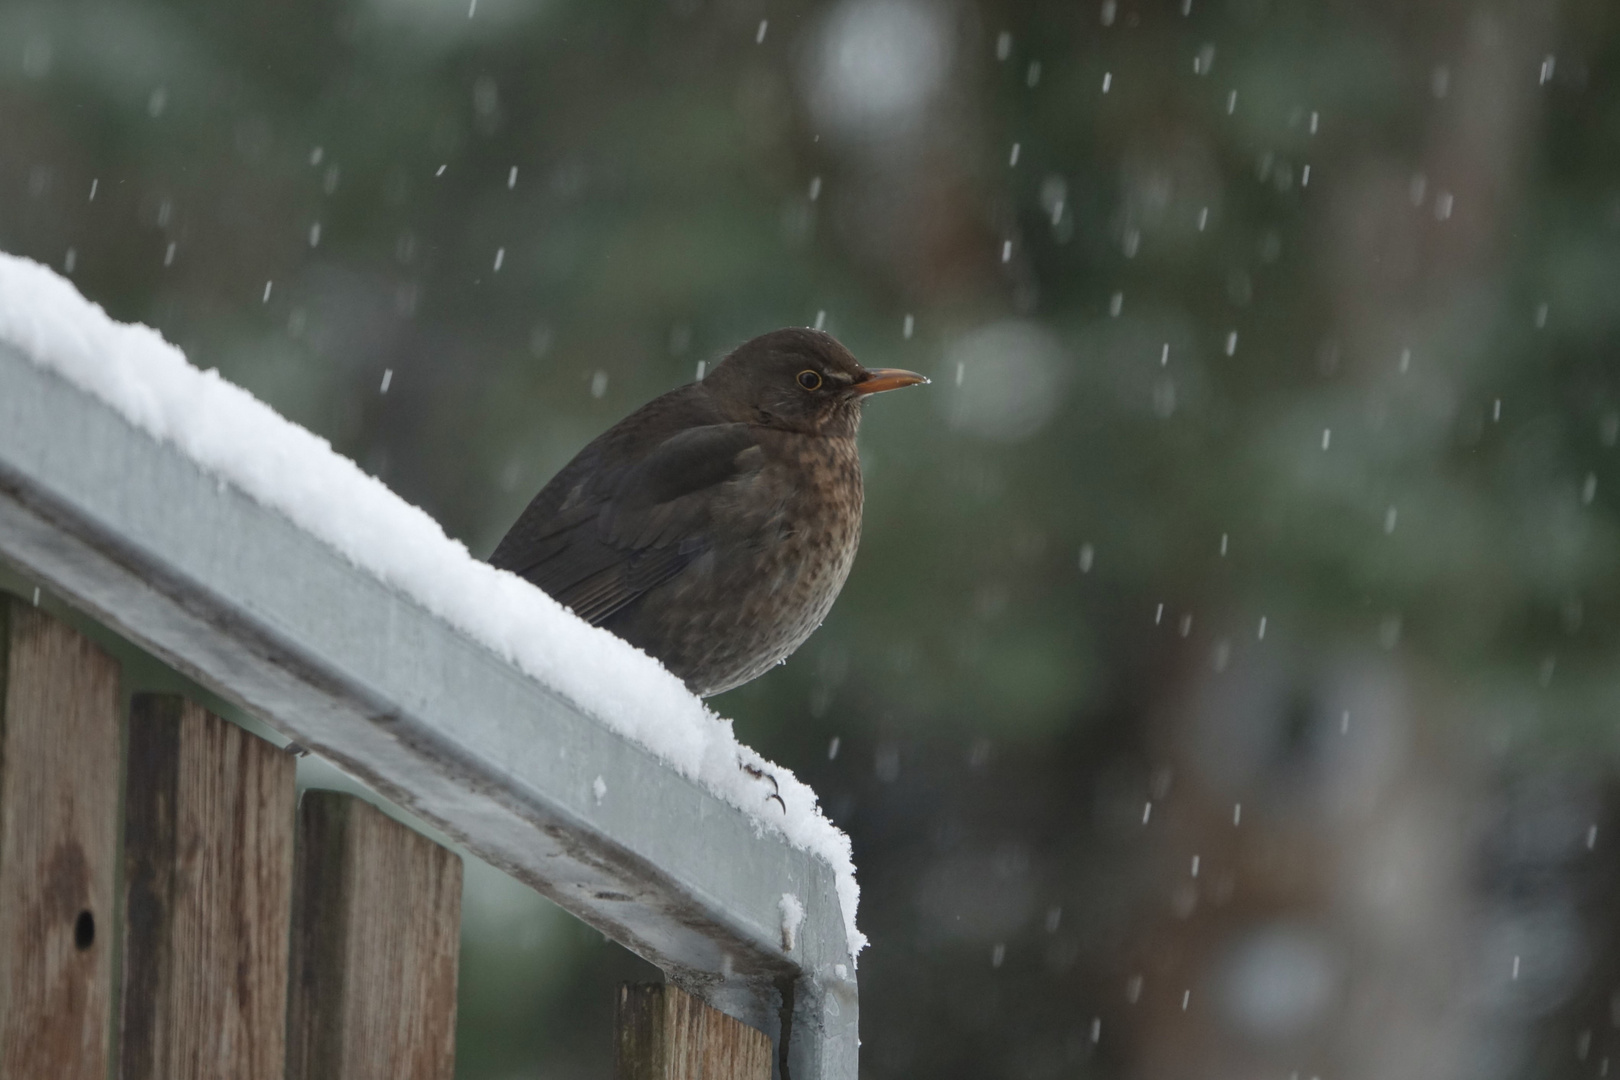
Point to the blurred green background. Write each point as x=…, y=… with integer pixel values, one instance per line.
x=1227, y=683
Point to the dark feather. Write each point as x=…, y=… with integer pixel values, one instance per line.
x=605, y=532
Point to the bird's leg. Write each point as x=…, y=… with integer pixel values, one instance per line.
x=760, y=774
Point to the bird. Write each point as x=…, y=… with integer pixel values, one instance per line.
x=713, y=527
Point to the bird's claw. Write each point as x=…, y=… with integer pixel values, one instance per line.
x=760, y=774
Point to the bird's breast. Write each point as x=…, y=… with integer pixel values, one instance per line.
x=819, y=520
x=778, y=541
x=787, y=539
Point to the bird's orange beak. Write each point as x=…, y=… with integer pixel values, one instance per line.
x=886, y=378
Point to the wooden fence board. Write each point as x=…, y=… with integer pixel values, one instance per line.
x=59, y=759
x=208, y=858
x=664, y=1033
x=376, y=936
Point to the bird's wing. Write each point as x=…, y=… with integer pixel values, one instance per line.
x=602, y=534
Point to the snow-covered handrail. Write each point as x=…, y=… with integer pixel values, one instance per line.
x=187, y=516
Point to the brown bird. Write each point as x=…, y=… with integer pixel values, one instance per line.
x=714, y=526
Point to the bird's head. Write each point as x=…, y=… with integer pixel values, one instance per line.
x=798, y=379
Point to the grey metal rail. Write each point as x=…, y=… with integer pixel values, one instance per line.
x=235, y=596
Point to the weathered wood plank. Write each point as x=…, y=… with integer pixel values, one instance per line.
x=664, y=1033
x=376, y=936
x=208, y=859
x=59, y=757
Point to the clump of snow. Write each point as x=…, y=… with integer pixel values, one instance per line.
x=792, y=919
x=244, y=442
x=599, y=788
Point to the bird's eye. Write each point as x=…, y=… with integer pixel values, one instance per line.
x=810, y=380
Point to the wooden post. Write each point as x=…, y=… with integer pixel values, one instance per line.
x=376, y=935
x=208, y=851
x=59, y=757
x=664, y=1033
